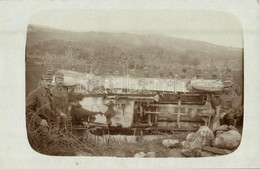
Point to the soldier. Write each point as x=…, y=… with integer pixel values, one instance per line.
x=116, y=73
x=235, y=87
x=97, y=72
x=198, y=74
x=146, y=71
x=230, y=104
x=60, y=99
x=132, y=73
x=214, y=74
x=170, y=75
x=78, y=112
x=39, y=110
x=183, y=73
x=161, y=73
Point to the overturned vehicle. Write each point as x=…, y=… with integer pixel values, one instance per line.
x=140, y=106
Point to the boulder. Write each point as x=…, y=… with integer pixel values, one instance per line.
x=150, y=154
x=170, y=143
x=191, y=149
x=192, y=153
x=206, y=135
x=227, y=140
x=140, y=155
x=194, y=142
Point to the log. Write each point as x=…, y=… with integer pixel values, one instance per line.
x=214, y=150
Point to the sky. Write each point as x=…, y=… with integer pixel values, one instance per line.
x=209, y=26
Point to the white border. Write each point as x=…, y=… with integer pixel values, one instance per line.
x=15, y=151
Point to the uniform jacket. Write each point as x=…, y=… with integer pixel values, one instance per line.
x=39, y=106
x=60, y=99
x=228, y=101
x=78, y=112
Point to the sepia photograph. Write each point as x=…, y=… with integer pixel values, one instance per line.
x=140, y=84
x=134, y=83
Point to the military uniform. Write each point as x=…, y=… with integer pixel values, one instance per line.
x=228, y=106
x=78, y=113
x=39, y=107
x=146, y=71
x=60, y=100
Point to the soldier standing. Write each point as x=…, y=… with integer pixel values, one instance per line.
x=40, y=117
x=60, y=99
x=146, y=71
x=170, y=75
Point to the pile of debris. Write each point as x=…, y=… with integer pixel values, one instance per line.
x=224, y=140
x=203, y=143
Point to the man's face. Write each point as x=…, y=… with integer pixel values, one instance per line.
x=227, y=89
x=97, y=72
x=59, y=81
x=46, y=83
x=146, y=72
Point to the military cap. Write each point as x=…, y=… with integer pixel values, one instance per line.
x=227, y=83
x=146, y=68
x=59, y=75
x=46, y=77
x=132, y=72
x=50, y=72
x=116, y=72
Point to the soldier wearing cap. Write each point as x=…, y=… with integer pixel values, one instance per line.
x=60, y=99
x=229, y=106
x=235, y=87
x=161, y=73
x=198, y=74
x=39, y=108
x=97, y=72
x=170, y=75
x=132, y=73
x=146, y=71
x=214, y=75
x=116, y=73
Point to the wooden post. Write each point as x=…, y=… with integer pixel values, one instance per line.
x=179, y=114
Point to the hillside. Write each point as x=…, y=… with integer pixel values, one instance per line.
x=86, y=51
x=111, y=45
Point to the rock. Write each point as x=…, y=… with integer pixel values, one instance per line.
x=140, y=155
x=223, y=128
x=206, y=135
x=169, y=143
x=192, y=153
x=175, y=153
x=227, y=140
x=150, y=154
x=190, y=137
x=191, y=149
x=185, y=145
x=206, y=154
x=197, y=143
x=232, y=128
x=219, y=132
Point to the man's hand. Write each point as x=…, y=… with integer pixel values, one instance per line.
x=44, y=123
x=97, y=113
x=222, y=115
x=63, y=115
